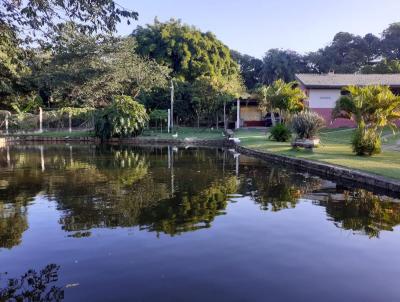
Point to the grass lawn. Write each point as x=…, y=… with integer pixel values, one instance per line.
x=335, y=149
x=185, y=133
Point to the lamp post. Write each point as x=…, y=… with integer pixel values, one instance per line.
x=172, y=105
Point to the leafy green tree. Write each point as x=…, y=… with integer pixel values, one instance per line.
x=383, y=66
x=41, y=18
x=250, y=68
x=159, y=118
x=391, y=42
x=346, y=54
x=210, y=94
x=13, y=67
x=284, y=97
x=90, y=70
x=282, y=64
x=189, y=52
x=372, y=108
x=123, y=118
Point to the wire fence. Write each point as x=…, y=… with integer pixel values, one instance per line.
x=65, y=119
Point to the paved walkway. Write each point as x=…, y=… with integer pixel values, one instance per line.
x=391, y=147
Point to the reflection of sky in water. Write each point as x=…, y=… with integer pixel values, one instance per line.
x=123, y=233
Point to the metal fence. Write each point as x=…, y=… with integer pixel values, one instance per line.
x=66, y=119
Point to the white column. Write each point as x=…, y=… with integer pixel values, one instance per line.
x=40, y=120
x=238, y=114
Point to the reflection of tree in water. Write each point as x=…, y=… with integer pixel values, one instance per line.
x=33, y=286
x=277, y=189
x=363, y=212
x=188, y=212
x=119, y=190
x=13, y=223
x=107, y=194
x=15, y=194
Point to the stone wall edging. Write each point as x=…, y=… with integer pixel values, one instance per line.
x=135, y=140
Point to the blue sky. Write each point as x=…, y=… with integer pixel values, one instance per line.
x=254, y=26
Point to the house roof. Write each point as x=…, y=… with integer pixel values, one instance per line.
x=332, y=80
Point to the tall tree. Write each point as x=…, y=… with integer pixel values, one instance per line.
x=383, y=66
x=189, y=52
x=250, y=68
x=13, y=67
x=90, y=70
x=282, y=64
x=346, y=54
x=391, y=41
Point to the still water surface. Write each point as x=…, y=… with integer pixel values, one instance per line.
x=87, y=223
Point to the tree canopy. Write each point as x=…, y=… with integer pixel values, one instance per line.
x=250, y=68
x=90, y=70
x=189, y=52
x=39, y=19
x=282, y=64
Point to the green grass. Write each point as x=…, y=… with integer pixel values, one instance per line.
x=335, y=149
x=185, y=133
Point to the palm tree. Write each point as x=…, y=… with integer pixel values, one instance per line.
x=284, y=97
x=371, y=107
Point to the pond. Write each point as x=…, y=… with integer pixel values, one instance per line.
x=102, y=223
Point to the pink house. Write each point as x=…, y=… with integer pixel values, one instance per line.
x=323, y=90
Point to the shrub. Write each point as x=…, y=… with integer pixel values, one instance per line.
x=280, y=133
x=123, y=118
x=307, y=124
x=366, y=142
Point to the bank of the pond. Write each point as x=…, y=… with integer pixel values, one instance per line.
x=333, y=159
x=322, y=162
x=339, y=174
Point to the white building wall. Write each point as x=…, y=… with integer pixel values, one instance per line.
x=323, y=98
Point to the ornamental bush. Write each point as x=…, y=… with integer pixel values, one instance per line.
x=280, y=133
x=307, y=124
x=366, y=142
x=123, y=118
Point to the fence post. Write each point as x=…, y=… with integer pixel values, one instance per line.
x=40, y=119
x=70, y=122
